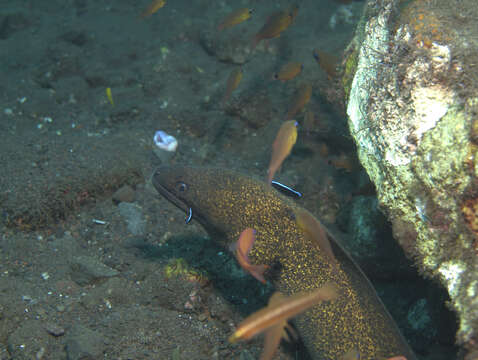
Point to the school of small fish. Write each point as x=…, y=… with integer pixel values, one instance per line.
x=273, y=319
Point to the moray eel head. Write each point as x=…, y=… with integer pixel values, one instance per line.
x=201, y=192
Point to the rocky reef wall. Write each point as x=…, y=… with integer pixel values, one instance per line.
x=410, y=77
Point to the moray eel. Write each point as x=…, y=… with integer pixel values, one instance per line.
x=226, y=202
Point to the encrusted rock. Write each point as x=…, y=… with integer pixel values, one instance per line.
x=412, y=106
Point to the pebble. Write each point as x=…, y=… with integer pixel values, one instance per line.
x=124, y=194
x=54, y=329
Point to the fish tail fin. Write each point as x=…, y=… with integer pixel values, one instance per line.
x=258, y=272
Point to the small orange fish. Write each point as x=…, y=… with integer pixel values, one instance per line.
x=315, y=232
x=344, y=162
x=301, y=98
x=289, y=71
x=323, y=149
x=280, y=309
x=234, y=18
x=274, y=26
x=243, y=247
x=282, y=146
x=152, y=8
x=327, y=62
x=232, y=83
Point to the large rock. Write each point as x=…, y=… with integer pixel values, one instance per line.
x=410, y=78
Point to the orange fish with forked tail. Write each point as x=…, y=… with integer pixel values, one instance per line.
x=289, y=71
x=274, y=26
x=243, y=247
x=282, y=146
x=152, y=8
x=234, y=18
x=301, y=98
x=344, y=162
x=232, y=83
x=315, y=231
x=327, y=62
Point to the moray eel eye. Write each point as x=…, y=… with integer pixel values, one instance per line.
x=181, y=187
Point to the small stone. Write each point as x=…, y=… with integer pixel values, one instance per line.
x=83, y=343
x=54, y=329
x=124, y=194
x=134, y=218
x=86, y=270
x=40, y=353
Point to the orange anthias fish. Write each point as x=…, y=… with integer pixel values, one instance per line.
x=301, y=98
x=243, y=247
x=344, y=162
x=327, y=62
x=274, y=26
x=152, y=8
x=282, y=146
x=232, y=83
x=234, y=18
x=273, y=318
x=289, y=71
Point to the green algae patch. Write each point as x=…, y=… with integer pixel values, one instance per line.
x=350, y=66
x=179, y=268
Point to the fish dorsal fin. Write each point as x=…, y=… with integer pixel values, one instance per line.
x=314, y=231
